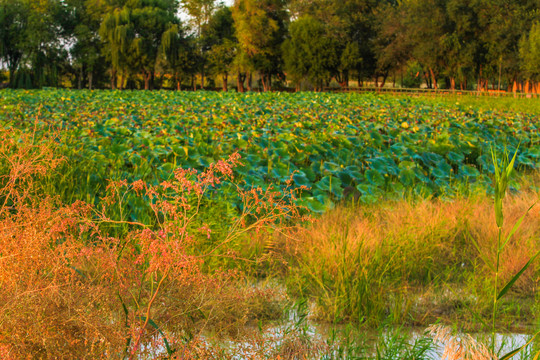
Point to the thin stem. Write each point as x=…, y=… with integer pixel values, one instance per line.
x=148, y=308
x=495, y=291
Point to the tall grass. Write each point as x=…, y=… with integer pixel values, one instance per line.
x=411, y=263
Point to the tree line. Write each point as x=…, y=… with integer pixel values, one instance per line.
x=270, y=44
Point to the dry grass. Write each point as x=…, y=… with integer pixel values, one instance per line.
x=366, y=263
x=459, y=346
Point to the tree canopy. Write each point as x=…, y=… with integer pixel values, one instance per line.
x=480, y=44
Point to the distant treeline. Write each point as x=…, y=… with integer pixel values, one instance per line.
x=270, y=44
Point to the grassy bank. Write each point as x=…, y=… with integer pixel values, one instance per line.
x=414, y=263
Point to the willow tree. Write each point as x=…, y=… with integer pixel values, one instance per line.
x=181, y=54
x=117, y=32
x=133, y=31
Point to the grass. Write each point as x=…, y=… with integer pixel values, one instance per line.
x=505, y=104
x=414, y=263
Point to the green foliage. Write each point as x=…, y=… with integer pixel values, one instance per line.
x=413, y=75
x=310, y=53
x=260, y=29
x=220, y=38
x=134, y=34
x=13, y=22
x=393, y=148
x=529, y=51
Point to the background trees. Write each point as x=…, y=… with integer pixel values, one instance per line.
x=456, y=44
x=260, y=30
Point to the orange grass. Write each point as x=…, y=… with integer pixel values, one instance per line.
x=379, y=262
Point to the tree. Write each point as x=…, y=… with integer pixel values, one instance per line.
x=13, y=24
x=133, y=31
x=462, y=44
x=31, y=36
x=352, y=25
x=309, y=53
x=393, y=48
x=425, y=23
x=529, y=52
x=260, y=30
x=86, y=52
x=200, y=12
x=181, y=54
x=220, y=39
x=503, y=24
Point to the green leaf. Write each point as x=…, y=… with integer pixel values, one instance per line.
x=330, y=183
x=510, y=166
x=517, y=276
x=379, y=164
x=438, y=173
x=516, y=226
x=300, y=179
x=375, y=178
x=521, y=348
x=312, y=204
x=155, y=326
x=407, y=177
x=456, y=158
x=331, y=167
x=468, y=171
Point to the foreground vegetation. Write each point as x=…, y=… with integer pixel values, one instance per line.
x=126, y=232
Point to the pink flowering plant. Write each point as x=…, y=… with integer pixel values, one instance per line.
x=72, y=287
x=169, y=255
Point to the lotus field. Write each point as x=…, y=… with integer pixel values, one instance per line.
x=383, y=147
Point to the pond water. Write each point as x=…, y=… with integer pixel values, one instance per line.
x=299, y=338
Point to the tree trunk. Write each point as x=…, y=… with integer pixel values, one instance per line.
x=11, y=77
x=113, y=79
x=121, y=86
x=434, y=78
x=452, y=83
x=225, y=76
x=479, y=82
x=146, y=81
x=249, y=79
x=265, y=80
x=385, y=76
x=79, y=80
x=344, y=80
x=428, y=80
x=240, y=82
x=202, y=77
x=90, y=80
